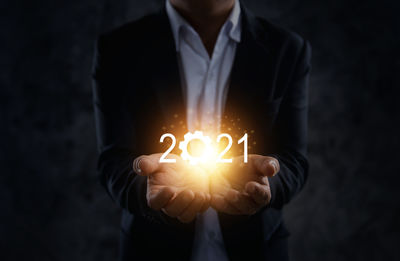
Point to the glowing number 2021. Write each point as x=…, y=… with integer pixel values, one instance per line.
x=163, y=158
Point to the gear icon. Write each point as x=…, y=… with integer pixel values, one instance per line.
x=187, y=139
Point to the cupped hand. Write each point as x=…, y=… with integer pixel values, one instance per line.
x=242, y=188
x=178, y=189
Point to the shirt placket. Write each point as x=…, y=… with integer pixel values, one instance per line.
x=211, y=119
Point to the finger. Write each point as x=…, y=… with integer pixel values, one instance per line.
x=221, y=205
x=267, y=166
x=242, y=202
x=178, y=204
x=194, y=207
x=145, y=165
x=261, y=194
x=160, y=199
x=206, y=203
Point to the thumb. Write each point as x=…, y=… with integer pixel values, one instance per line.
x=266, y=166
x=145, y=165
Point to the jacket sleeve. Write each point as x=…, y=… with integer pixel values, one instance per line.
x=115, y=127
x=290, y=132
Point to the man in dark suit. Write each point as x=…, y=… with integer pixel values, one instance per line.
x=164, y=64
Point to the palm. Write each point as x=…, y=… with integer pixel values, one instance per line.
x=179, y=176
x=234, y=176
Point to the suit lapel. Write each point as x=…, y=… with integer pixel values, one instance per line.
x=250, y=76
x=165, y=78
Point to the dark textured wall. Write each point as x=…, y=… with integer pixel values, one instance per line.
x=51, y=204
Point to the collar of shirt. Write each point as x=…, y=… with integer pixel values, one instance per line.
x=178, y=22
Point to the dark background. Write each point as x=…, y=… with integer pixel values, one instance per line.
x=51, y=204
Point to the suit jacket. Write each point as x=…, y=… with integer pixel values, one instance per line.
x=137, y=91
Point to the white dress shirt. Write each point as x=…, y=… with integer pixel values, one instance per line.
x=205, y=80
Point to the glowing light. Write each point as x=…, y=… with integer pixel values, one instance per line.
x=203, y=154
